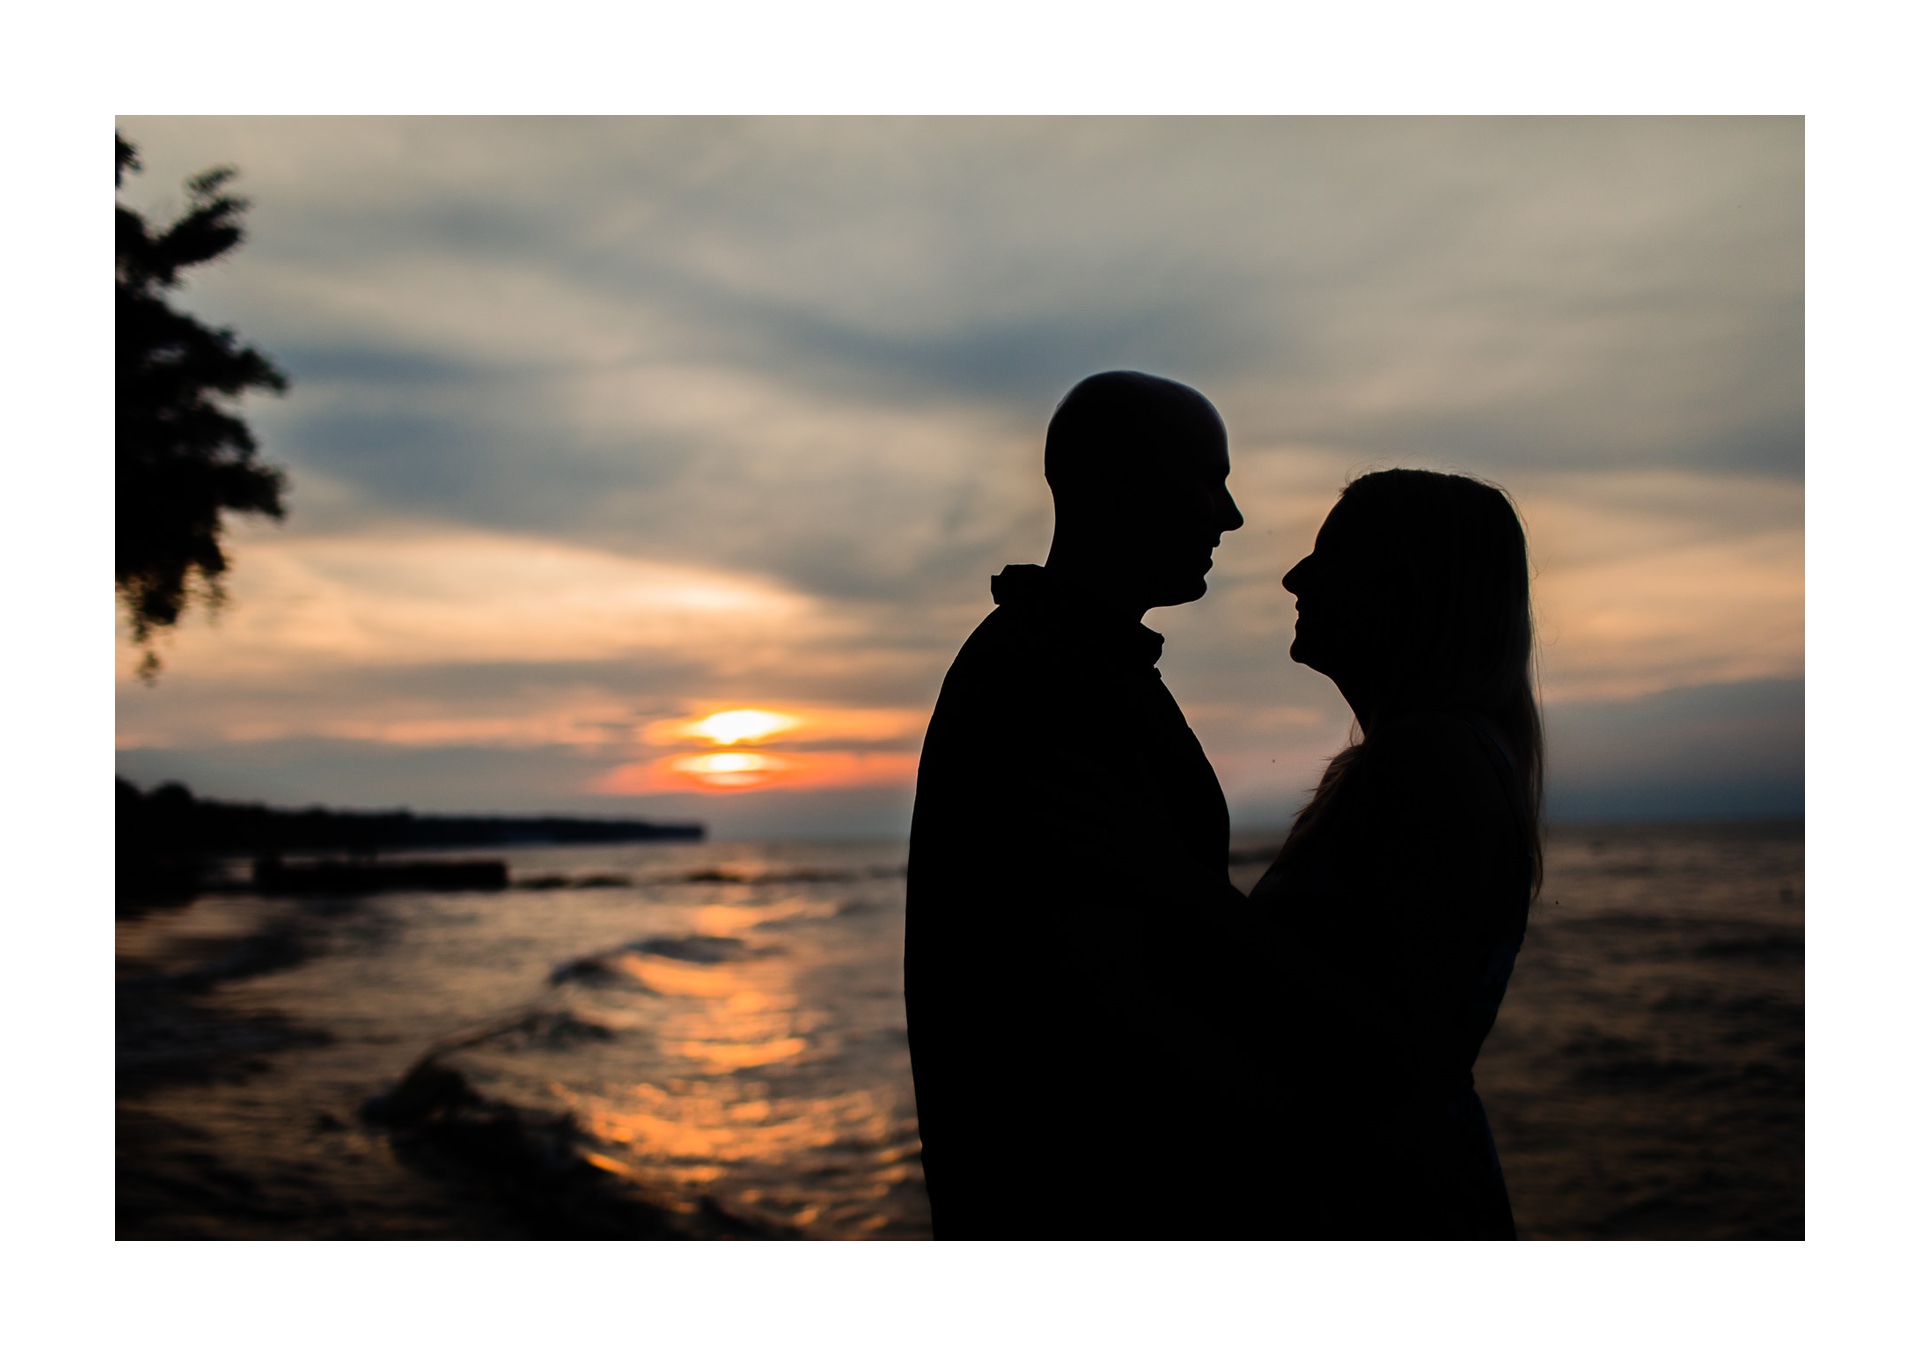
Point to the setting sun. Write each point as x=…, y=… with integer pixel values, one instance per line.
x=747, y=726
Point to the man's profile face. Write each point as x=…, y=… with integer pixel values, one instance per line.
x=1176, y=511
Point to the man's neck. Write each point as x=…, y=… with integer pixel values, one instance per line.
x=1097, y=590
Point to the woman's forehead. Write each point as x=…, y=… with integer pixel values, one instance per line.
x=1348, y=530
x=1338, y=522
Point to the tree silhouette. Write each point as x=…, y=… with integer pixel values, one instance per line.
x=181, y=457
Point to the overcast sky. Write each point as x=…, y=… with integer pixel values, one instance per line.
x=601, y=426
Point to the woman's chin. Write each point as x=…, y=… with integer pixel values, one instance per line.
x=1309, y=656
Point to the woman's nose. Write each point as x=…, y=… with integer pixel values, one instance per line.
x=1291, y=580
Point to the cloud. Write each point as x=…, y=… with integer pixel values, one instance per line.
x=1736, y=748
x=1580, y=288
x=1713, y=612
x=597, y=422
x=446, y=595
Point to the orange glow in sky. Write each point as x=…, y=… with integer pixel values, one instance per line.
x=806, y=759
x=730, y=770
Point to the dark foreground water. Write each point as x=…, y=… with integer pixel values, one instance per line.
x=707, y=1040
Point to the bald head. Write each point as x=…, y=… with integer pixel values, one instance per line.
x=1119, y=426
x=1138, y=468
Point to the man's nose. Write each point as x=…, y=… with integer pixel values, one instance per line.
x=1230, y=519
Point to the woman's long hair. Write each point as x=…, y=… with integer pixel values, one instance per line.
x=1451, y=560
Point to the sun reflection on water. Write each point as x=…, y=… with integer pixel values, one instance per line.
x=677, y=978
x=731, y=920
x=736, y=1064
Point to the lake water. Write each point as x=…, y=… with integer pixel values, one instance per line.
x=708, y=1040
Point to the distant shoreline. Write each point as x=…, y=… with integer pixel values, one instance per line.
x=170, y=819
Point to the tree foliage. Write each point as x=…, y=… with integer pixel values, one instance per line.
x=182, y=457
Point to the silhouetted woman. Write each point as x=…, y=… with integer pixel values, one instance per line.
x=1401, y=895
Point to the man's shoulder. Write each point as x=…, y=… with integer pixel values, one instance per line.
x=994, y=667
x=1009, y=642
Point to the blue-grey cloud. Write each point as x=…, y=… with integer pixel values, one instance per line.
x=821, y=352
x=1727, y=748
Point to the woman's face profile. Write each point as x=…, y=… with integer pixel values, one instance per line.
x=1339, y=590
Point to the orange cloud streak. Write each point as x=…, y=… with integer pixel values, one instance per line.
x=731, y=772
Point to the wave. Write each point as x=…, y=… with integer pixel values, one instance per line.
x=538, y=1162
x=606, y=967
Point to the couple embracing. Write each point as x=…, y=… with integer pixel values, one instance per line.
x=1109, y=1040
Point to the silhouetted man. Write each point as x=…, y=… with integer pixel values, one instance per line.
x=1069, y=851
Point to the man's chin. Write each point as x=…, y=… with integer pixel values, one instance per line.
x=1182, y=593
